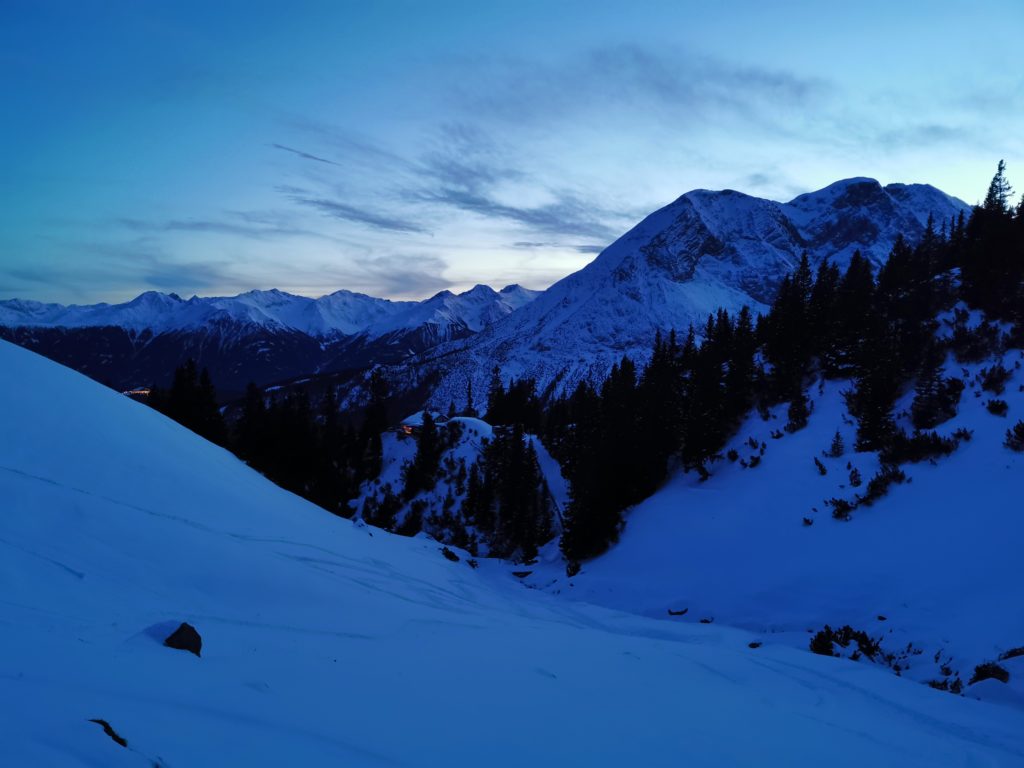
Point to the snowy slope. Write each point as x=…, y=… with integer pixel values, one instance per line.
x=704, y=251
x=938, y=558
x=326, y=645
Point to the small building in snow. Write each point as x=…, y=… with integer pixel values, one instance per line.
x=411, y=425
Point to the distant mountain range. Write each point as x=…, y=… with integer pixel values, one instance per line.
x=261, y=336
x=704, y=251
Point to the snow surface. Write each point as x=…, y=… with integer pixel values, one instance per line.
x=329, y=644
x=938, y=558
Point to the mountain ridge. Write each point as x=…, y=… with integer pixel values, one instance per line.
x=704, y=251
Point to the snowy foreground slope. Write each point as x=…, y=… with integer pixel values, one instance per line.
x=935, y=564
x=324, y=645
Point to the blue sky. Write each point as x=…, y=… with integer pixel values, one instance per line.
x=399, y=148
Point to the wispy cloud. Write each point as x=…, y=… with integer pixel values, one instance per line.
x=249, y=225
x=639, y=84
x=376, y=220
x=121, y=269
x=568, y=215
x=303, y=155
x=406, y=274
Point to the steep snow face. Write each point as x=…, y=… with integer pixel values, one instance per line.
x=326, y=645
x=342, y=312
x=704, y=251
x=934, y=565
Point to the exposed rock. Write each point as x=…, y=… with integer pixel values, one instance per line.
x=107, y=729
x=185, y=638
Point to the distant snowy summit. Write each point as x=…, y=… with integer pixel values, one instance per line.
x=703, y=251
x=339, y=313
x=259, y=336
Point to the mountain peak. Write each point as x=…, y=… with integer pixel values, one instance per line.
x=705, y=250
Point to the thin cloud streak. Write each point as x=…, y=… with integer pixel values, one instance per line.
x=346, y=212
x=303, y=155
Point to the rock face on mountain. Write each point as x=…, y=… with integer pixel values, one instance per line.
x=704, y=251
x=261, y=336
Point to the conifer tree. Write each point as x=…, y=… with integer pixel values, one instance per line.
x=997, y=199
x=421, y=473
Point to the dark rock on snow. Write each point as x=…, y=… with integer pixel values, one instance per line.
x=185, y=638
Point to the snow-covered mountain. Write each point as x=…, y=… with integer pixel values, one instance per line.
x=704, y=251
x=324, y=645
x=340, y=313
x=260, y=336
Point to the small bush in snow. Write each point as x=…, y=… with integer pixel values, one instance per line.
x=997, y=407
x=973, y=345
x=987, y=671
x=824, y=642
x=855, y=478
x=994, y=379
x=1015, y=437
x=878, y=486
x=917, y=447
x=841, y=508
x=820, y=467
